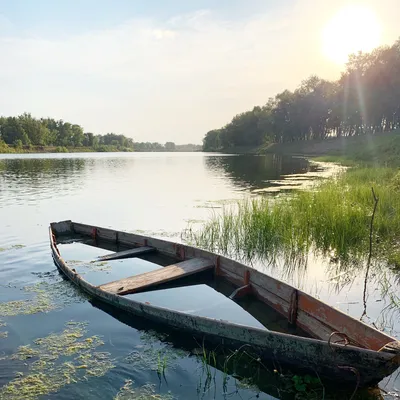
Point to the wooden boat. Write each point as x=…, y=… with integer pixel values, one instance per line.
x=327, y=343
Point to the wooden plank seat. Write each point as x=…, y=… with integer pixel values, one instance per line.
x=127, y=253
x=151, y=279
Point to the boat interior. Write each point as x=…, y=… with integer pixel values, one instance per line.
x=101, y=262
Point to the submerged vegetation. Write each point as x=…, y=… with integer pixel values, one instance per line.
x=55, y=361
x=145, y=392
x=154, y=356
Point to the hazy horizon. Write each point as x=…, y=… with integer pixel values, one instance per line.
x=158, y=72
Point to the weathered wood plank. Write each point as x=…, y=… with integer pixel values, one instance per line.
x=137, y=283
x=106, y=234
x=61, y=227
x=82, y=229
x=127, y=253
x=392, y=347
x=356, y=330
x=240, y=292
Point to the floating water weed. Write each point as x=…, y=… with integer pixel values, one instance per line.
x=48, y=296
x=145, y=392
x=13, y=247
x=152, y=355
x=93, y=266
x=47, y=373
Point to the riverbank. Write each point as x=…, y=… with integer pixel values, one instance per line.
x=333, y=220
x=5, y=149
x=381, y=149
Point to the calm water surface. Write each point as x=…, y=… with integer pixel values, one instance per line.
x=157, y=194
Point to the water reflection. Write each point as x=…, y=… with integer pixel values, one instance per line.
x=31, y=180
x=257, y=172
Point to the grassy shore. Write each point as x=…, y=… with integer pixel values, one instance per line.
x=380, y=149
x=333, y=218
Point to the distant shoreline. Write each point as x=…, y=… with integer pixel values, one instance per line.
x=64, y=150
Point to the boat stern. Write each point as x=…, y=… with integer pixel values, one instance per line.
x=61, y=228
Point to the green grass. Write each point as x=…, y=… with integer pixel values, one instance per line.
x=334, y=219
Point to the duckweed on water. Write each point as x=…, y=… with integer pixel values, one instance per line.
x=2, y=333
x=47, y=373
x=15, y=246
x=41, y=303
x=145, y=392
x=48, y=296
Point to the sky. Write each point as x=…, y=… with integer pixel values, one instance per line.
x=170, y=70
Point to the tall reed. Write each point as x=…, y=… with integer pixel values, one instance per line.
x=333, y=218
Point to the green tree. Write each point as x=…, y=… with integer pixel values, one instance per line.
x=13, y=132
x=77, y=136
x=170, y=146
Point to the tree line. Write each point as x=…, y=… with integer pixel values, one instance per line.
x=168, y=146
x=365, y=100
x=25, y=131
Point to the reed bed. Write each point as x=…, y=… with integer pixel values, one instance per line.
x=334, y=219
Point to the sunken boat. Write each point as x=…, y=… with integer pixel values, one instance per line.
x=293, y=328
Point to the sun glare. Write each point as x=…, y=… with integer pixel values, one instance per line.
x=354, y=28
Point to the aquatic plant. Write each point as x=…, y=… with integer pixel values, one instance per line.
x=13, y=247
x=48, y=296
x=93, y=266
x=145, y=392
x=48, y=372
x=333, y=219
x=155, y=358
x=153, y=355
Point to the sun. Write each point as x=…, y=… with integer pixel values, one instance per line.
x=354, y=28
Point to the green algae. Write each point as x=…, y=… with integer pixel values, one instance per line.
x=151, y=355
x=13, y=247
x=92, y=266
x=40, y=303
x=145, y=392
x=47, y=296
x=25, y=353
x=49, y=371
x=3, y=334
x=17, y=246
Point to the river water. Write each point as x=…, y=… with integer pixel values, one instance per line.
x=74, y=349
